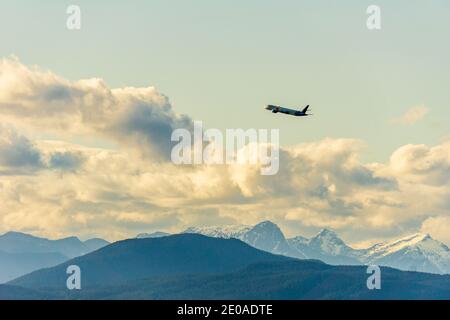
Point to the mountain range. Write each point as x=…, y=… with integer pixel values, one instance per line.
x=418, y=252
x=193, y=266
x=22, y=253
x=135, y=259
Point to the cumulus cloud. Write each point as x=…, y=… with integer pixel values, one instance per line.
x=422, y=164
x=114, y=194
x=57, y=188
x=438, y=226
x=323, y=169
x=65, y=160
x=412, y=115
x=17, y=152
x=20, y=155
x=136, y=117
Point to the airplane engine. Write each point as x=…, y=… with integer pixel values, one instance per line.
x=274, y=111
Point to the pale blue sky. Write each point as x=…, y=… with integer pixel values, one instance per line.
x=222, y=61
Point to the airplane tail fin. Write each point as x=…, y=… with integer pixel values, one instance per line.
x=305, y=109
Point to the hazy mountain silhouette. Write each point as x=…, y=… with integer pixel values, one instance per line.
x=13, y=265
x=21, y=253
x=18, y=242
x=95, y=243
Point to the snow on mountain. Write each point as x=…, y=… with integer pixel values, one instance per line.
x=265, y=236
x=326, y=246
x=418, y=252
x=328, y=242
x=413, y=253
x=226, y=232
x=298, y=241
x=156, y=234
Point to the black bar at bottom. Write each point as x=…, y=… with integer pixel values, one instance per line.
x=226, y=309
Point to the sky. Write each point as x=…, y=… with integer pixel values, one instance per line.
x=371, y=163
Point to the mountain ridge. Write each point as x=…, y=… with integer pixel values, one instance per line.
x=416, y=252
x=72, y=246
x=212, y=268
x=135, y=259
x=21, y=253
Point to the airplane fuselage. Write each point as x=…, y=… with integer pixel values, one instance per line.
x=292, y=112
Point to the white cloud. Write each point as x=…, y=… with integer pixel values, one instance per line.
x=439, y=227
x=75, y=189
x=412, y=115
x=140, y=118
x=17, y=152
x=116, y=193
x=423, y=164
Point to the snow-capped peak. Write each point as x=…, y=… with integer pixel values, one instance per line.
x=265, y=236
x=329, y=242
x=326, y=233
x=299, y=240
x=327, y=236
x=268, y=226
x=389, y=247
x=157, y=234
x=417, y=252
x=263, y=232
x=228, y=231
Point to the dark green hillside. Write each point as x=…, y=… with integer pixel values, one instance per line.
x=136, y=259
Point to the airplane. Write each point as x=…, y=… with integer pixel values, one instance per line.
x=292, y=112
